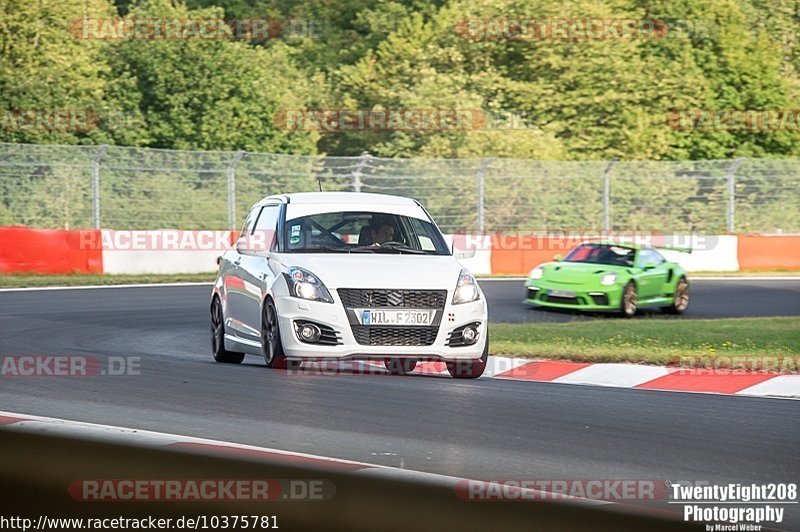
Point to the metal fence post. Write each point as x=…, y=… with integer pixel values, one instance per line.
x=96, y=185
x=731, y=179
x=607, y=196
x=355, y=175
x=232, y=188
x=479, y=177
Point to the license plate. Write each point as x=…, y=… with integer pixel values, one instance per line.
x=396, y=317
x=561, y=293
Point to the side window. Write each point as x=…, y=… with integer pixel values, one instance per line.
x=266, y=225
x=421, y=231
x=249, y=222
x=648, y=255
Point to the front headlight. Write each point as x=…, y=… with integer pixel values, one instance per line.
x=305, y=285
x=537, y=273
x=608, y=279
x=466, y=289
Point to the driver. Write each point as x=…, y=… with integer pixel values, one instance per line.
x=382, y=232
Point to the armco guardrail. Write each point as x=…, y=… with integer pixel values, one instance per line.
x=42, y=461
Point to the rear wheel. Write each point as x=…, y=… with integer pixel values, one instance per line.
x=470, y=369
x=271, y=344
x=218, y=350
x=630, y=300
x=400, y=366
x=680, y=300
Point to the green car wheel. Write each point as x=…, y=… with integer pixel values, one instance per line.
x=629, y=303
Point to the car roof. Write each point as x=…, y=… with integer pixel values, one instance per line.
x=627, y=245
x=349, y=198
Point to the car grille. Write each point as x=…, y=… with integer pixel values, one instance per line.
x=409, y=336
x=358, y=298
x=563, y=300
x=377, y=298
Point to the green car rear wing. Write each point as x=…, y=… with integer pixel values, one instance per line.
x=675, y=248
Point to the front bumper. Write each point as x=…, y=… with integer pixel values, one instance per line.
x=591, y=298
x=291, y=309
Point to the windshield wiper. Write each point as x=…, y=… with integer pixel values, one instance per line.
x=391, y=248
x=320, y=249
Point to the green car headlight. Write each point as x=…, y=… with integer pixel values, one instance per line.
x=608, y=279
x=537, y=273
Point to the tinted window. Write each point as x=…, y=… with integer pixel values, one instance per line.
x=363, y=232
x=266, y=225
x=602, y=254
x=649, y=255
x=249, y=222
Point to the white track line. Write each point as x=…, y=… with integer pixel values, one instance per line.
x=92, y=287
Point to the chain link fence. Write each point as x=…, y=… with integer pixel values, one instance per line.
x=115, y=187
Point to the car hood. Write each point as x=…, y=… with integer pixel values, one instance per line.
x=373, y=270
x=578, y=272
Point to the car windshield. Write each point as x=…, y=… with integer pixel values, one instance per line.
x=362, y=232
x=602, y=254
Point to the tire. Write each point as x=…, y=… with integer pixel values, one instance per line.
x=629, y=301
x=470, y=369
x=271, y=344
x=680, y=299
x=400, y=366
x=218, y=350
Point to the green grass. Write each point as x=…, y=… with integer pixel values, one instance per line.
x=657, y=341
x=27, y=280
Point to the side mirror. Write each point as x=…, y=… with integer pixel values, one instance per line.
x=558, y=258
x=463, y=254
x=251, y=246
x=649, y=265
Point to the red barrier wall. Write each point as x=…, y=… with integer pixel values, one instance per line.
x=518, y=254
x=769, y=252
x=24, y=250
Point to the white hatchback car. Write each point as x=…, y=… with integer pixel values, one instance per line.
x=341, y=275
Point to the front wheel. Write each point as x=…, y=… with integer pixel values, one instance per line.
x=630, y=300
x=271, y=344
x=470, y=369
x=218, y=350
x=680, y=300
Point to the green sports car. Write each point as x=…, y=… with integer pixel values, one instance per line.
x=605, y=276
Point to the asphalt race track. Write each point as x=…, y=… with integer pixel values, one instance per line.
x=709, y=299
x=488, y=428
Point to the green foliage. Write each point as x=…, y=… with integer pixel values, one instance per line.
x=570, y=99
